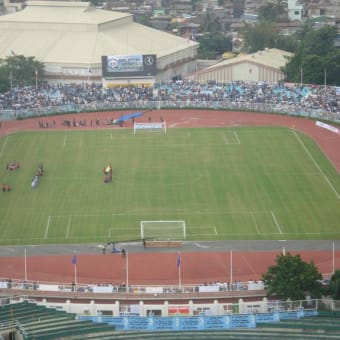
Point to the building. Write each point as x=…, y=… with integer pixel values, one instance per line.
x=70, y=38
x=257, y=67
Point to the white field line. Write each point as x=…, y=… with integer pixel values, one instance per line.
x=215, y=230
x=276, y=222
x=331, y=233
x=236, y=136
x=122, y=229
x=64, y=144
x=80, y=142
x=3, y=146
x=225, y=139
x=184, y=212
x=68, y=226
x=47, y=226
x=254, y=220
x=111, y=136
x=317, y=166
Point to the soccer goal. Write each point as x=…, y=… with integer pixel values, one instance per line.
x=163, y=230
x=153, y=127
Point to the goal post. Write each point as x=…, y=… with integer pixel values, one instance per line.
x=163, y=230
x=159, y=126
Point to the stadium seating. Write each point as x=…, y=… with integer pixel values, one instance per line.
x=38, y=322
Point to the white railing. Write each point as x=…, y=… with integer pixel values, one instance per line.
x=215, y=287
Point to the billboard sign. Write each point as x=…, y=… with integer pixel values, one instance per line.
x=132, y=65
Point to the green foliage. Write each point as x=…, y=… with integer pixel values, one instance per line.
x=292, y=278
x=271, y=11
x=19, y=70
x=317, y=57
x=258, y=37
x=213, y=45
x=334, y=287
x=226, y=183
x=4, y=79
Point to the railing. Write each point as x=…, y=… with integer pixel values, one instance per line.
x=131, y=289
x=280, y=108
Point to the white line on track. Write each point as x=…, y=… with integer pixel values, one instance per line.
x=276, y=222
x=317, y=165
x=3, y=146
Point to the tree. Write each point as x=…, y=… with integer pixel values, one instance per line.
x=258, y=37
x=272, y=11
x=19, y=70
x=334, y=286
x=292, y=278
x=213, y=45
x=316, y=56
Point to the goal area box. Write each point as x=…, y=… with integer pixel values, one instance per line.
x=162, y=230
x=149, y=127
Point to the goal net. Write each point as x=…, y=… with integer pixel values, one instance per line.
x=153, y=127
x=163, y=230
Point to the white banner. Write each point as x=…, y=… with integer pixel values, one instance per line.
x=327, y=127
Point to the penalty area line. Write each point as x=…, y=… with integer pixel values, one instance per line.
x=47, y=226
x=276, y=222
x=236, y=136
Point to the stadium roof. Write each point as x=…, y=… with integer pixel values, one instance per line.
x=270, y=57
x=77, y=34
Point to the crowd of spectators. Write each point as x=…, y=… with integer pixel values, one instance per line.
x=286, y=97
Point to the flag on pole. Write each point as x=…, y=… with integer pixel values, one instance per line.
x=179, y=260
x=74, y=260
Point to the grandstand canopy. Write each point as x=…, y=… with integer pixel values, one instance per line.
x=72, y=36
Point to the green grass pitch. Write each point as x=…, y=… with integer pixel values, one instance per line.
x=225, y=183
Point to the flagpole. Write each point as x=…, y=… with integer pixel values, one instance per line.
x=74, y=262
x=231, y=266
x=179, y=262
x=179, y=277
x=127, y=272
x=25, y=265
x=333, y=259
x=75, y=274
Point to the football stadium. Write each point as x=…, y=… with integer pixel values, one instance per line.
x=157, y=209
x=137, y=205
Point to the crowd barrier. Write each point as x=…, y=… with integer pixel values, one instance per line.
x=131, y=289
x=188, y=104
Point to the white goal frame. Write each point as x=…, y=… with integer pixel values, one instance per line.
x=149, y=126
x=163, y=230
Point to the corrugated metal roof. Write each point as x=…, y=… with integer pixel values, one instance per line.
x=271, y=57
x=75, y=33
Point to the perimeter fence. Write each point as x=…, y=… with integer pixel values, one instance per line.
x=278, y=108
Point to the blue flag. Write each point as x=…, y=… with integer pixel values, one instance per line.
x=179, y=260
x=74, y=260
